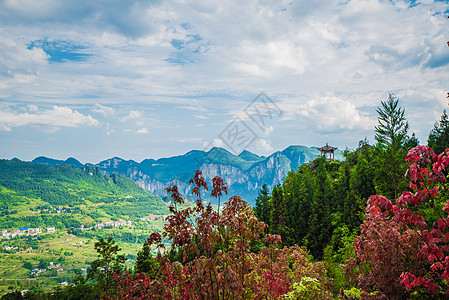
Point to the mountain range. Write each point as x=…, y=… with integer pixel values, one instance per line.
x=244, y=173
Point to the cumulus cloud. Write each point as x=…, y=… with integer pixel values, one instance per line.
x=142, y=131
x=130, y=18
x=329, y=114
x=266, y=59
x=56, y=117
x=16, y=59
x=263, y=147
x=214, y=143
x=104, y=110
x=132, y=115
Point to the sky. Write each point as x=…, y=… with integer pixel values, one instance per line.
x=151, y=79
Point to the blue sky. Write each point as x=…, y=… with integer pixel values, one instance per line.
x=151, y=79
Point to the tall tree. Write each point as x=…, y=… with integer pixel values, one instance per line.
x=361, y=188
x=439, y=136
x=390, y=135
x=262, y=210
x=107, y=263
x=278, y=213
x=298, y=189
x=319, y=221
x=411, y=142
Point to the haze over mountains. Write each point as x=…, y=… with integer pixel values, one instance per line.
x=244, y=173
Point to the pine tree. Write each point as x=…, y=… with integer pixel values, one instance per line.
x=361, y=188
x=262, y=209
x=319, y=221
x=390, y=135
x=439, y=136
x=278, y=213
x=145, y=263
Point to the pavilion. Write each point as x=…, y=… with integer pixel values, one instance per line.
x=328, y=149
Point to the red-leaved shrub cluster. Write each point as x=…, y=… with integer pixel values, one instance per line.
x=213, y=256
x=403, y=250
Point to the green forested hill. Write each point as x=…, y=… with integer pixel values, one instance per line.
x=32, y=195
x=81, y=204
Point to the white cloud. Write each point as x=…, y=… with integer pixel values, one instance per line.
x=263, y=147
x=330, y=114
x=132, y=115
x=265, y=59
x=56, y=117
x=17, y=63
x=104, y=110
x=214, y=143
x=32, y=107
x=269, y=130
x=142, y=131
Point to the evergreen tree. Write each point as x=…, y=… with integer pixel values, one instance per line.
x=107, y=263
x=262, y=209
x=298, y=189
x=439, y=136
x=293, y=203
x=390, y=135
x=278, y=213
x=361, y=188
x=145, y=262
x=411, y=142
x=319, y=220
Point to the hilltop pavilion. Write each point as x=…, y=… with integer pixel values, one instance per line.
x=328, y=150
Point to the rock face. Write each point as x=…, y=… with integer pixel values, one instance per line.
x=244, y=173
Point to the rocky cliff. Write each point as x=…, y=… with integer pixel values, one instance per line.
x=244, y=173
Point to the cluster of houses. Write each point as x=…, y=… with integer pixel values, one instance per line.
x=37, y=271
x=152, y=217
x=113, y=224
x=25, y=231
x=9, y=248
x=58, y=210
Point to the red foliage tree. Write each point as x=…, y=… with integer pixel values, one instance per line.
x=419, y=252
x=211, y=258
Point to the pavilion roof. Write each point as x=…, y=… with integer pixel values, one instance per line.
x=327, y=148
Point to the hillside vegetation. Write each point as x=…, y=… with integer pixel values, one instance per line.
x=52, y=214
x=35, y=195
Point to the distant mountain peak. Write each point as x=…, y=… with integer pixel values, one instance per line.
x=54, y=162
x=249, y=156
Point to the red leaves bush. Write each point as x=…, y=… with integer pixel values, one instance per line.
x=211, y=258
x=401, y=248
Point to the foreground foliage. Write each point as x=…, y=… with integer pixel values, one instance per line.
x=403, y=250
x=222, y=254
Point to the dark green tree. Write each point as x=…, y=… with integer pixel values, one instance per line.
x=262, y=210
x=145, y=262
x=299, y=189
x=28, y=265
x=278, y=214
x=292, y=199
x=108, y=262
x=320, y=230
x=439, y=136
x=411, y=142
x=361, y=188
x=390, y=135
